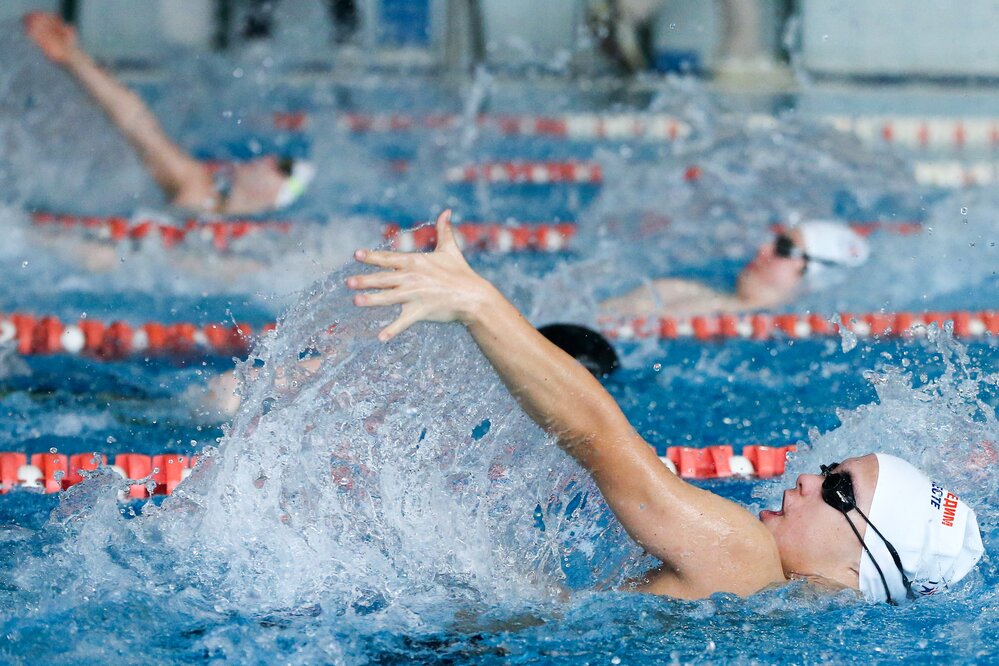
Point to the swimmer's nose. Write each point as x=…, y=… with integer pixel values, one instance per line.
x=766, y=249
x=808, y=483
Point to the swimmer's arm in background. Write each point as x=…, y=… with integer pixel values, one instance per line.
x=671, y=297
x=672, y=520
x=184, y=179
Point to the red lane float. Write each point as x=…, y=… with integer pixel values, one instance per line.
x=763, y=326
x=162, y=473
x=48, y=335
x=219, y=233
x=486, y=237
x=719, y=462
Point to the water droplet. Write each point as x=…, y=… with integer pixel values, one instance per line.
x=964, y=210
x=53, y=450
x=111, y=439
x=24, y=264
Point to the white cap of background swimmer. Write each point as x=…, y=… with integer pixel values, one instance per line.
x=935, y=534
x=294, y=186
x=830, y=245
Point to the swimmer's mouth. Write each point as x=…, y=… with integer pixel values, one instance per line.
x=766, y=514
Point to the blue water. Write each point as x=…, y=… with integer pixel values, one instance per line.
x=434, y=550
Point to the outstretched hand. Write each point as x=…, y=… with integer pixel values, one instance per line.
x=431, y=286
x=54, y=37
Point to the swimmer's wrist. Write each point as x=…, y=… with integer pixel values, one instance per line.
x=479, y=302
x=78, y=59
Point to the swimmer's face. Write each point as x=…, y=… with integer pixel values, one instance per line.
x=255, y=186
x=815, y=539
x=769, y=278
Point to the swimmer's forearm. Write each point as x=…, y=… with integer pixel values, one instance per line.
x=558, y=393
x=125, y=108
x=569, y=403
x=169, y=165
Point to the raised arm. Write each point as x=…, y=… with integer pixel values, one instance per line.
x=185, y=180
x=669, y=518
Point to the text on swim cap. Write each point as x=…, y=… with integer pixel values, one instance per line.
x=950, y=510
x=945, y=500
x=936, y=495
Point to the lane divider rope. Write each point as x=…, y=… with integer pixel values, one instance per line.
x=656, y=127
x=943, y=173
x=528, y=172
x=46, y=335
x=52, y=472
x=170, y=232
x=160, y=474
x=764, y=326
x=473, y=236
x=499, y=237
x=929, y=132
x=938, y=133
x=33, y=335
x=486, y=237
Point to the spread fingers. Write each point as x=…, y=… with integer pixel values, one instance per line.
x=387, y=297
x=380, y=280
x=382, y=258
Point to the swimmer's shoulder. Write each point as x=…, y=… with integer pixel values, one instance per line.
x=726, y=549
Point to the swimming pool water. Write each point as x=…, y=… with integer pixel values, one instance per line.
x=431, y=548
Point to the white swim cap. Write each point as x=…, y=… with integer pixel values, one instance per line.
x=830, y=245
x=936, y=534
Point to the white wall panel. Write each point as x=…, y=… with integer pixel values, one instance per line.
x=901, y=37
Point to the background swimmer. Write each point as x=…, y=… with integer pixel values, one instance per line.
x=807, y=254
x=707, y=544
x=241, y=189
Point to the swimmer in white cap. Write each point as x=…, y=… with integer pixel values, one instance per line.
x=251, y=187
x=811, y=255
x=841, y=528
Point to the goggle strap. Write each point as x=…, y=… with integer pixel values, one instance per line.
x=892, y=552
x=867, y=550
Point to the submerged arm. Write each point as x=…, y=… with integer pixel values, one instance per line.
x=183, y=178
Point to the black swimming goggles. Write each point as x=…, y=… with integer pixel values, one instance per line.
x=785, y=248
x=837, y=492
